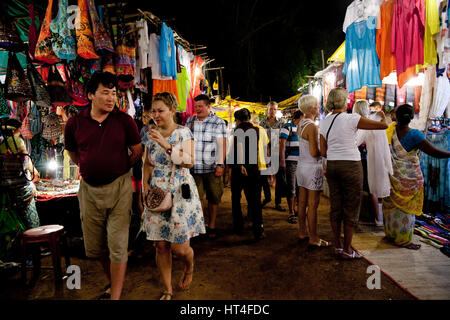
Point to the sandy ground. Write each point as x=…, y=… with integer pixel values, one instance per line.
x=231, y=268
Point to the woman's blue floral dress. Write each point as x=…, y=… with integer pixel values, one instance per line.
x=185, y=219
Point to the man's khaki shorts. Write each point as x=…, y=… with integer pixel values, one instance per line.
x=212, y=185
x=105, y=213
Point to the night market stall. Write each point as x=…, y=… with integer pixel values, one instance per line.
x=48, y=53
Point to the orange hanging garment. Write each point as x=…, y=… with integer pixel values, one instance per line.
x=165, y=86
x=384, y=35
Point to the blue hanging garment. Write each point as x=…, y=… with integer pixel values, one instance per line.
x=167, y=52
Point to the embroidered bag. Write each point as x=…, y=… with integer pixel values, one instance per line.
x=57, y=89
x=76, y=88
x=40, y=93
x=25, y=129
x=5, y=111
x=18, y=87
x=12, y=165
x=35, y=119
x=52, y=128
x=85, y=45
x=63, y=42
x=44, y=49
x=102, y=41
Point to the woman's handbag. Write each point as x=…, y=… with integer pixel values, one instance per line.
x=25, y=129
x=44, y=49
x=85, y=45
x=159, y=200
x=17, y=85
x=52, y=127
x=40, y=93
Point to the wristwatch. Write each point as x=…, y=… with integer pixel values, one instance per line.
x=222, y=165
x=169, y=150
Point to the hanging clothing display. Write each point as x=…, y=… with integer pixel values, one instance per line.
x=426, y=97
x=384, y=36
x=167, y=52
x=431, y=29
x=441, y=97
x=400, y=95
x=389, y=102
x=407, y=35
x=197, y=75
x=183, y=86
x=154, y=58
x=380, y=93
x=362, y=66
x=165, y=86
x=360, y=10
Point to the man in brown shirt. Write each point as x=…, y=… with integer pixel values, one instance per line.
x=105, y=143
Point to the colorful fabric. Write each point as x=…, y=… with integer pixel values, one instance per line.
x=380, y=93
x=407, y=35
x=398, y=226
x=102, y=41
x=410, y=95
x=361, y=94
x=85, y=38
x=370, y=94
x=384, y=36
x=389, y=102
x=412, y=139
x=183, y=86
x=406, y=182
x=32, y=32
x=44, y=50
x=125, y=62
x=63, y=42
x=431, y=28
x=5, y=111
x=165, y=86
x=401, y=95
x=362, y=66
x=167, y=52
x=185, y=219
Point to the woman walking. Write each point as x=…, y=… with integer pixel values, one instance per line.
x=168, y=155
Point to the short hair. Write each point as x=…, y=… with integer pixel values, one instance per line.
x=242, y=115
x=107, y=79
x=272, y=103
x=306, y=101
x=167, y=98
x=202, y=97
x=298, y=114
x=361, y=107
x=376, y=104
x=337, y=99
x=404, y=114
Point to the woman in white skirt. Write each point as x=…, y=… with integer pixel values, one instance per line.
x=309, y=173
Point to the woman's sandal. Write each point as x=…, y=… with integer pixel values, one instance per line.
x=166, y=296
x=321, y=244
x=350, y=256
x=338, y=251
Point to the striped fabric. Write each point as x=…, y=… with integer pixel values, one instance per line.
x=380, y=93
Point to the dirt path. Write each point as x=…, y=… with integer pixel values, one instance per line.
x=233, y=267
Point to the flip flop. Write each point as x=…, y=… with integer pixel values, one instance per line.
x=321, y=244
x=166, y=294
x=351, y=256
x=338, y=251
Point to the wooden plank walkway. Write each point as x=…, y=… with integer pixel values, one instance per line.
x=424, y=272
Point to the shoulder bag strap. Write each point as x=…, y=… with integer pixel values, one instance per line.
x=332, y=125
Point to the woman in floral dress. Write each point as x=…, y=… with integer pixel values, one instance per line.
x=170, y=144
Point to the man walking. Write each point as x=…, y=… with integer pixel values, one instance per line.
x=99, y=140
x=272, y=124
x=210, y=151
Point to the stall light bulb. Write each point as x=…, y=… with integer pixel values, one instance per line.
x=52, y=165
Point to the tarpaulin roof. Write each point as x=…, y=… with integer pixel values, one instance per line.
x=339, y=54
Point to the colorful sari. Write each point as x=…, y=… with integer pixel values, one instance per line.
x=406, y=198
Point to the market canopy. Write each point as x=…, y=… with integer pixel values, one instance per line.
x=339, y=54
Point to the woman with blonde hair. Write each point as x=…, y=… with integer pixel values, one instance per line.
x=309, y=172
x=168, y=156
x=344, y=171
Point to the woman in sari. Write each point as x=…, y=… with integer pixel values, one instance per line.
x=406, y=199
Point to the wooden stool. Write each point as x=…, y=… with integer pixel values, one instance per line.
x=51, y=234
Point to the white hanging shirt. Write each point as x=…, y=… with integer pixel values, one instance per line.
x=360, y=10
x=155, y=62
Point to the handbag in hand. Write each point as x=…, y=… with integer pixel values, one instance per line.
x=159, y=200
